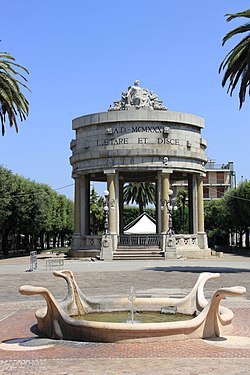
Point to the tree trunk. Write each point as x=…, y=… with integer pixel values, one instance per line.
x=247, y=237
x=18, y=242
x=5, y=245
x=62, y=239
x=48, y=240
x=35, y=242
x=141, y=208
x=54, y=241
x=241, y=238
x=42, y=240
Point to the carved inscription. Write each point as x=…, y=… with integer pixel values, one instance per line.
x=161, y=139
x=116, y=141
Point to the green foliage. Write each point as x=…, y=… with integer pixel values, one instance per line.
x=141, y=193
x=96, y=212
x=217, y=222
x=180, y=215
x=31, y=210
x=228, y=214
x=238, y=208
x=12, y=102
x=237, y=63
x=180, y=220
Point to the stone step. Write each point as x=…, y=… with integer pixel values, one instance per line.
x=139, y=249
x=136, y=254
x=124, y=257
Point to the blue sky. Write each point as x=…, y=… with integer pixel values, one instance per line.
x=81, y=55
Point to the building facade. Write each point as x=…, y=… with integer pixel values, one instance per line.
x=217, y=180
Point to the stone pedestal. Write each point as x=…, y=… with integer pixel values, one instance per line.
x=169, y=246
x=109, y=245
x=202, y=240
x=76, y=241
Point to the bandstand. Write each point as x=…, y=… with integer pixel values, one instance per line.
x=138, y=140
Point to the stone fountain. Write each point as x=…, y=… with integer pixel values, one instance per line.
x=58, y=319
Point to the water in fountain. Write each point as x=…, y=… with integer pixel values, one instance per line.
x=166, y=314
x=131, y=298
x=125, y=316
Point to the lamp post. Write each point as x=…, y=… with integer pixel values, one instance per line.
x=170, y=218
x=106, y=211
x=168, y=204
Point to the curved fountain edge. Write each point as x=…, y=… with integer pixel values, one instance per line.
x=55, y=322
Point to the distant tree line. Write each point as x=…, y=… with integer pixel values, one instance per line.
x=227, y=220
x=229, y=216
x=32, y=215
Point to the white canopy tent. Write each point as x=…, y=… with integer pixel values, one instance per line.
x=143, y=224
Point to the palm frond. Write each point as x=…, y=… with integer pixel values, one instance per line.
x=236, y=63
x=245, y=13
x=13, y=103
x=238, y=30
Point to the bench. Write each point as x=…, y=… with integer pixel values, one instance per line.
x=57, y=263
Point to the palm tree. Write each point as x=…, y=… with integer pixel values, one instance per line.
x=12, y=102
x=237, y=62
x=141, y=193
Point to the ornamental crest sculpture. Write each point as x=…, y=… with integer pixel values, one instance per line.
x=137, y=97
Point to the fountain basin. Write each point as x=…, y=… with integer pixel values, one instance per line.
x=56, y=319
x=139, y=317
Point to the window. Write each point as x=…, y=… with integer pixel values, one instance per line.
x=205, y=192
x=220, y=191
x=220, y=177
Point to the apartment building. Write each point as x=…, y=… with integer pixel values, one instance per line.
x=219, y=178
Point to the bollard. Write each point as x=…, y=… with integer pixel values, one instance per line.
x=33, y=260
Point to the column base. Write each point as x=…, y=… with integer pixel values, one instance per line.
x=169, y=246
x=202, y=240
x=76, y=241
x=109, y=245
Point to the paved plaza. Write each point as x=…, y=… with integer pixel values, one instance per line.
x=23, y=352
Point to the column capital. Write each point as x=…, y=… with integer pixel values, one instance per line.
x=166, y=171
x=201, y=175
x=109, y=171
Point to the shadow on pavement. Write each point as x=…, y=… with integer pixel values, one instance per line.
x=198, y=269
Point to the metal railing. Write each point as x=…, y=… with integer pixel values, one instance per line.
x=140, y=240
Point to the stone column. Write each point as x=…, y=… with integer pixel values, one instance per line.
x=109, y=241
x=164, y=199
x=121, y=208
x=77, y=206
x=202, y=237
x=118, y=195
x=84, y=198
x=200, y=205
x=158, y=203
x=195, y=205
x=192, y=202
x=111, y=186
